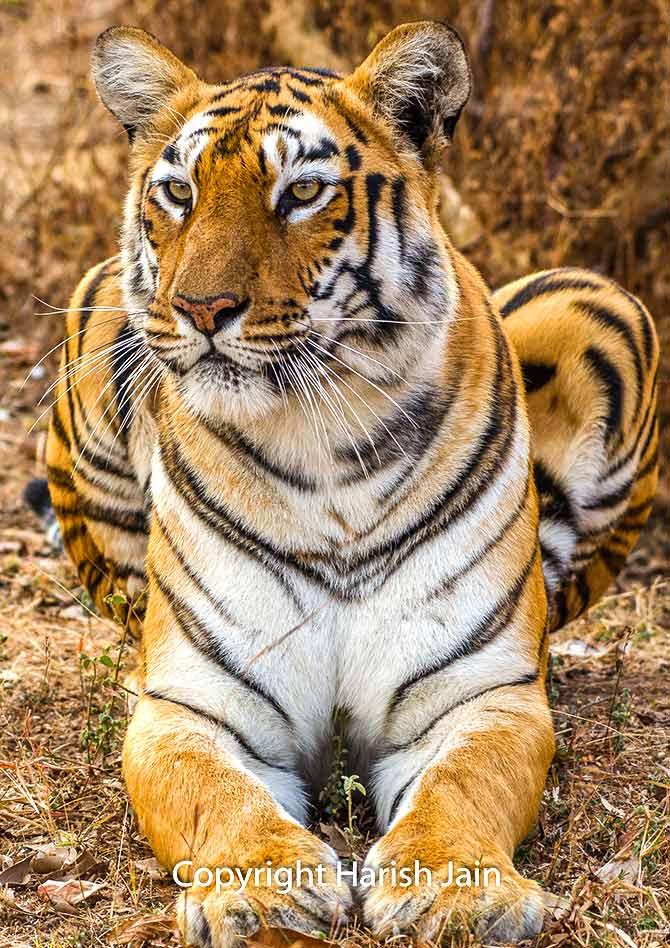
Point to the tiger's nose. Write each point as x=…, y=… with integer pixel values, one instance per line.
x=210, y=313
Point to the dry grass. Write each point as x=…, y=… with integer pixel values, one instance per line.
x=563, y=157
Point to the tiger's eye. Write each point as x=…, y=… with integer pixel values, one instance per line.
x=178, y=191
x=305, y=191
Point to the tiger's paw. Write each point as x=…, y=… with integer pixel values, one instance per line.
x=225, y=919
x=499, y=907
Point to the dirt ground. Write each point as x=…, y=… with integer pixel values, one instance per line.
x=602, y=844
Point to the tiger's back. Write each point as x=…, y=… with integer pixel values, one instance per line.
x=99, y=447
x=589, y=357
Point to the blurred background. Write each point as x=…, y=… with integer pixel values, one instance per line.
x=563, y=156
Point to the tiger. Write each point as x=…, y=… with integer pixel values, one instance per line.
x=328, y=470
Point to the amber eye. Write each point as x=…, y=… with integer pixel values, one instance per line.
x=178, y=191
x=305, y=190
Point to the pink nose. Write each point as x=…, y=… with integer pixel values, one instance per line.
x=208, y=314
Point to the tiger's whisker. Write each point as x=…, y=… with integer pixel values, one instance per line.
x=59, y=345
x=90, y=361
x=358, y=352
x=133, y=357
x=346, y=427
x=370, y=382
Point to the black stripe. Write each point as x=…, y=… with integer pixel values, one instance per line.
x=298, y=94
x=490, y=452
x=554, y=501
x=613, y=498
x=401, y=793
x=244, y=744
x=610, y=378
x=605, y=317
x=546, y=283
x=286, y=111
x=487, y=629
x=222, y=111
x=652, y=435
x=129, y=520
x=217, y=516
x=645, y=320
x=252, y=456
x=210, y=646
x=170, y=154
x=58, y=427
x=398, y=201
x=624, y=459
x=353, y=127
x=122, y=370
x=612, y=560
x=638, y=509
x=651, y=464
x=323, y=150
x=72, y=391
x=270, y=84
x=60, y=478
x=527, y=679
x=551, y=559
x=447, y=584
x=536, y=375
x=353, y=157
x=125, y=570
x=396, y=439
x=216, y=604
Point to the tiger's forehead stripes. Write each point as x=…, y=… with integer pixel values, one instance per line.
x=276, y=130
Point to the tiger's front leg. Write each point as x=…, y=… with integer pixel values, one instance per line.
x=458, y=819
x=202, y=809
x=211, y=764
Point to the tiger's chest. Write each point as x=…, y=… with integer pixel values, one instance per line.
x=348, y=611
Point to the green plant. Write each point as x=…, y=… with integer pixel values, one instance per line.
x=351, y=785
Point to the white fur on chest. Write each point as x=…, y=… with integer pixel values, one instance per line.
x=316, y=652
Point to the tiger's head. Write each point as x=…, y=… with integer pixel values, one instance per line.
x=283, y=225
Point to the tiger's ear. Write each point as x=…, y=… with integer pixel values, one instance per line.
x=135, y=75
x=418, y=78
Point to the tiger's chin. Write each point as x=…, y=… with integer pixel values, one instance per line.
x=220, y=390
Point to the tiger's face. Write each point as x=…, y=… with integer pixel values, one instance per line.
x=281, y=228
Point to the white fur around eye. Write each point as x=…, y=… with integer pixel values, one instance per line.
x=285, y=154
x=164, y=171
x=313, y=207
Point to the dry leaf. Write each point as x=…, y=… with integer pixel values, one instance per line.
x=336, y=838
x=18, y=873
x=50, y=860
x=625, y=868
x=151, y=867
x=69, y=892
x=141, y=929
x=617, y=811
x=556, y=906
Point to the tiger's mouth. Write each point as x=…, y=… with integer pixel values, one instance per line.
x=215, y=358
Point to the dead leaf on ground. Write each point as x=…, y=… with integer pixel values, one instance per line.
x=337, y=839
x=577, y=648
x=151, y=867
x=18, y=873
x=49, y=860
x=556, y=906
x=626, y=868
x=66, y=895
x=142, y=929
